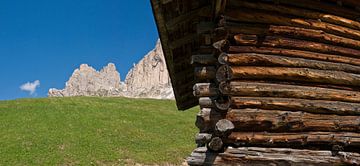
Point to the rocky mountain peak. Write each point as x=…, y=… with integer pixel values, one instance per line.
x=147, y=79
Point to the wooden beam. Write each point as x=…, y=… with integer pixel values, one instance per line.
x=295, y=32
x=292, y=104
x=288, y=74
x=283, y=42
x=256, y=89
x=252, y=16
x=295, y=53
x=322, y=140
x=255, y=59
x=205, y=90
x=323, y=7
x=248, y=156
x=288, y=121
x=299, y=12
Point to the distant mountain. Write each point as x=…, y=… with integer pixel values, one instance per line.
x=147, y=79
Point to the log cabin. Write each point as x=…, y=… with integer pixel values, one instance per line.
x=277, y=81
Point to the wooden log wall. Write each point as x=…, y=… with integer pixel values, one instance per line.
x=283, y=79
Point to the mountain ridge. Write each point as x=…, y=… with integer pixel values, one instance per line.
x=148, y=78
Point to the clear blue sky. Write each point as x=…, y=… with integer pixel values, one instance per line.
x=47, y=39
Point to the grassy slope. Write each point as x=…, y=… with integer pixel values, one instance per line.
x=84, y=131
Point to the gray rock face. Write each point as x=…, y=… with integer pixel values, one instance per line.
x=147, y=79
x=150, y=78
x=86, y=81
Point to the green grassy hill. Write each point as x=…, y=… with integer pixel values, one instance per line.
x=94, y=131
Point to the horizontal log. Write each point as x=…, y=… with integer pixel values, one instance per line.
x=287, y=121
x=206, y=102
x=318, y=35
x=278, y=121
x=323, y=7
x=220, y=103
x=249, y=156
x=203, y=59
x=294, y=32
x=256, y=89
x=291, y=104
x=255, y=59
x=205, y=90
x=253, y=16
x=282, y=42
x=300, y=12
x=288, y=74
x=205, y=72
x=295, y=53
x=323, y=140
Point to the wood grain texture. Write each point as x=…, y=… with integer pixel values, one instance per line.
x=254, y=16
x=295, y=53
x=299, y=12
x=288, y=74
x=286, y=121
x=299, y=140
x=256, y=89
x=283, y=42
x=255, y=59
x=271, y=156
x=291, y=104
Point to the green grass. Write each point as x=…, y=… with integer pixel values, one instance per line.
x=94, y=131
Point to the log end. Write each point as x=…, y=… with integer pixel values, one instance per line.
x=223, y=103
x=224, y=127
x=222, y=73
x=222, y=45
x=223, y=58
x=216, y=144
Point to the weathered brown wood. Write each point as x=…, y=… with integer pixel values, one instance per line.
x=323, y=140
x=222, y=45
x=291, y=104
x=203, y=59
x=294, y=32
x=206, y=102
x=258, y=156
x=286, y=121
x=223, y=128
x=222, y=103
x=318, y=35
x=207, y=118
x=288, y=74
x=202, y=138
x=205, y=72
x=295, y=53
x=205, y=90
x=300, y=12
x=246, y=15
x=282, y=42
x=323, y=7
x=216, y=144
x=280, y=121
x=255, y=59
x=256, y=89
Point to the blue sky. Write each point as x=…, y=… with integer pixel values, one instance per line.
x=47, y=39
